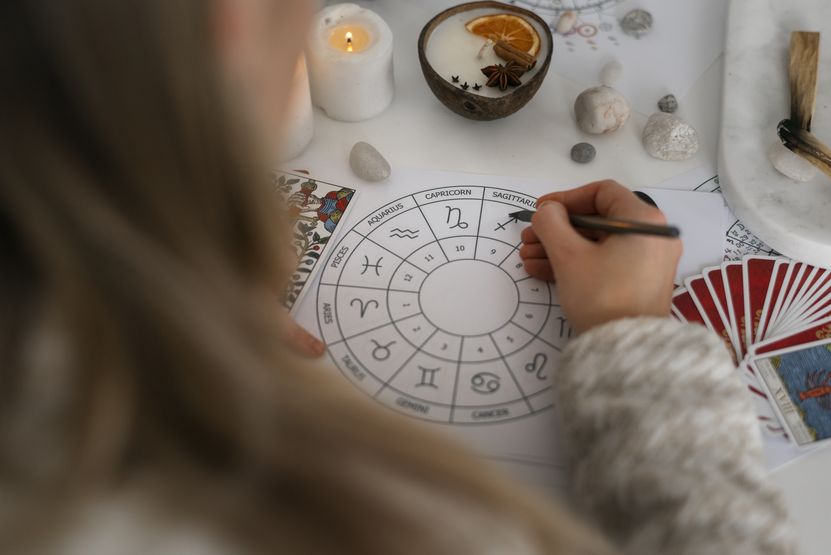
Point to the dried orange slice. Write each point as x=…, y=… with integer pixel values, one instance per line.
x=513, y=29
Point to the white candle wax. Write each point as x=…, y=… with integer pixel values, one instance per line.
x=300, y=119
x=452, y=50
x=350, y=63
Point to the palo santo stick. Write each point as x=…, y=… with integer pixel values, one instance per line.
x=802, y=142
x=802, y=69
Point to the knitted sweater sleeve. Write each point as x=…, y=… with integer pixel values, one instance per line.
x=666, y=450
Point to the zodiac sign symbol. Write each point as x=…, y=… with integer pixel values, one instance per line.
x=485, y=383
x=458, y=213
x=537, y=365
x=381, y=352
x=364, y=305
x=565, y=329
x=377, y=265
x=428, y=377
x=503, y=226
x=405, y=233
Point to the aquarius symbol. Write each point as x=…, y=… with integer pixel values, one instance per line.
x=485, y=383
x=381, y=352
x=503, y=226
x=377, y=265
x=428, y=377
x=364, y=305
x=405, y=233
x=537, y=365
x=458, y=212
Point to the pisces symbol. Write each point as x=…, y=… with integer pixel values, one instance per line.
x=377, y=266
x=364, y=305
x=537, y=365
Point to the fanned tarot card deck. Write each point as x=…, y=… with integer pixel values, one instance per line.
x=774, y=316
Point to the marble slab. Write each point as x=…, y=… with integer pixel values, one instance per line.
x=794, y=218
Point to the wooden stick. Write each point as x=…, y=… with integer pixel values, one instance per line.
x=804, y=62
x=806, y=145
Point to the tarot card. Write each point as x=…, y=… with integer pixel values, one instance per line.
x=768, y=419
x=760, y=302
x=707, y=306
x=798, y=381
x=682, y=303
x=316, y=210
x=756, y=274
x=784, y=277
x=718, y=291
x=733, y=282
x=817, y=331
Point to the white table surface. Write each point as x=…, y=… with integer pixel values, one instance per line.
x=417, y=131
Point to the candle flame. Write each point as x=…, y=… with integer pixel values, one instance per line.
x=349, y=41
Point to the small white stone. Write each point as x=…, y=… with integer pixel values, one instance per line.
x=367, y=162
x=789, y=164
x=668, y=137
x=566, y=22
x=611, y=74
x=601, y=110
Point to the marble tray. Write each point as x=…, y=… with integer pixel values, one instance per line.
x=794, y=218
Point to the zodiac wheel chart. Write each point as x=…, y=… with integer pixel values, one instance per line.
x=556, y=7
x=425, y=306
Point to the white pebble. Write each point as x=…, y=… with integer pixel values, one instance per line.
x=789, y=164
x=601, y=110
x=611, y=73
x=668, y=137
x=367, y=162
x=566, y=22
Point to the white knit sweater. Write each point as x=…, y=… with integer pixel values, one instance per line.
x=666, y=450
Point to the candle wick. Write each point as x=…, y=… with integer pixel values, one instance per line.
x=481, y=53
x=349, y=42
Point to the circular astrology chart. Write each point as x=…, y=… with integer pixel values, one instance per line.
x=556, y=7
x=425, y=306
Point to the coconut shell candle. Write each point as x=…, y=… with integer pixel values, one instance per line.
x=485, y=60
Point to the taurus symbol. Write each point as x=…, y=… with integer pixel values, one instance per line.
x=485, y=383
x=458, y=213
x=377, y=265
x=364, y=305
x=537, y=365
x=381, y=352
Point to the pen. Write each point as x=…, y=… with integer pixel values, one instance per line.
x=608, y=225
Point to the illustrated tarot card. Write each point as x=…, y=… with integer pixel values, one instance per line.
x=798, y=380
x=315, y=210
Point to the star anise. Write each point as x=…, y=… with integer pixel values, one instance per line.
x=503, y=76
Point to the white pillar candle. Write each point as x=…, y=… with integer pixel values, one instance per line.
x=455, y=52
x=300, y=119
x=350, y=63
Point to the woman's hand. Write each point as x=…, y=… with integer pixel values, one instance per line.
x=610, y=276
x=298, y=339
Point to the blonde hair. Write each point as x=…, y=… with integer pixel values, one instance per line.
x=134, y=220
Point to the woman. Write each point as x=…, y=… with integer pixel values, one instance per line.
x=148, y=408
